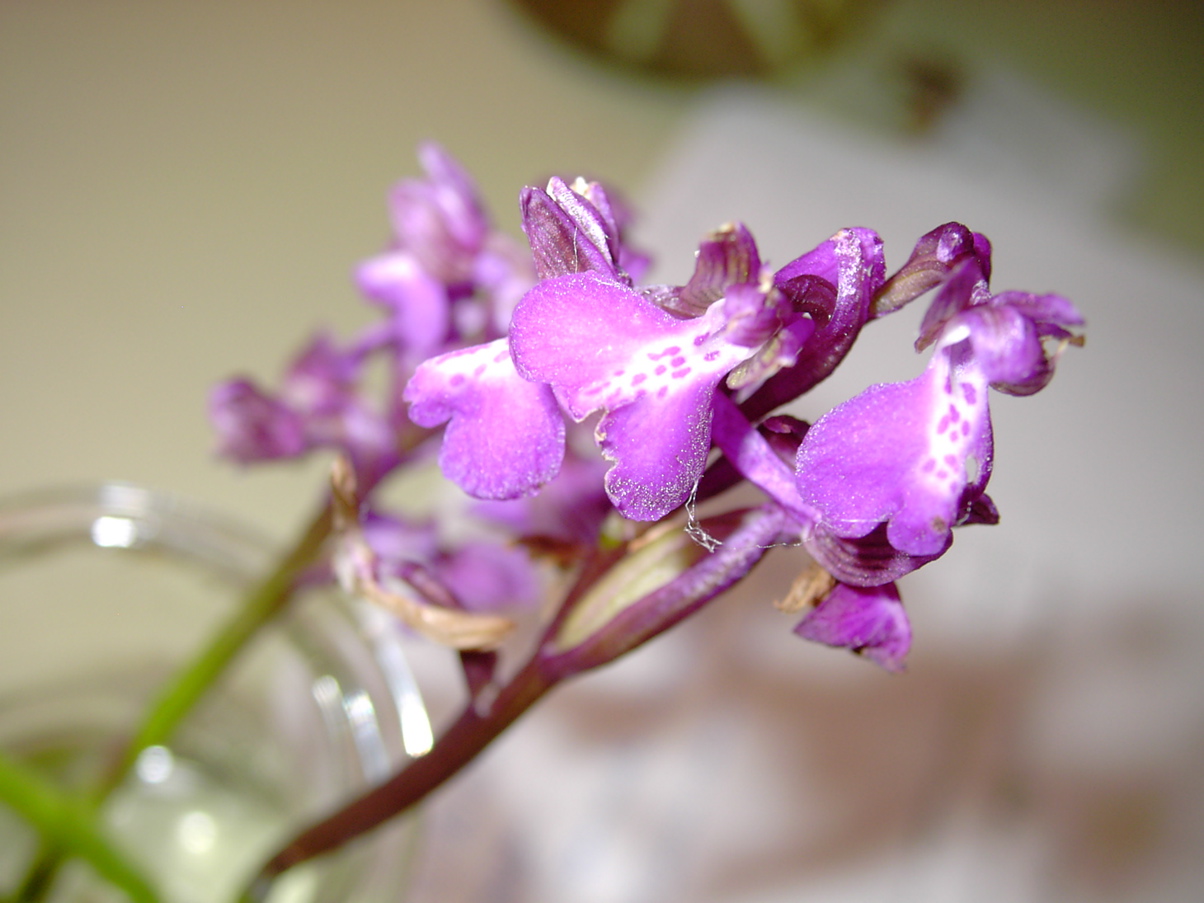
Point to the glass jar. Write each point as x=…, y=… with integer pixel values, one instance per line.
x=103, y=593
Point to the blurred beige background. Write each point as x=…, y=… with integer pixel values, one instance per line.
x=185, y=188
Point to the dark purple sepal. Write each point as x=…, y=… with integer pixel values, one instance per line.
x=868, y=560
x=980, y=510
x=833, y=285
x=936, y=254
x=869, y=621
x=567, y=234
x=727, y=256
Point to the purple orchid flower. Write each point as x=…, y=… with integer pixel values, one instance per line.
x=649, y=360
x=318, y=406
x=482, y=576
x=448, y=279
x=891, y=471
x=444, y=255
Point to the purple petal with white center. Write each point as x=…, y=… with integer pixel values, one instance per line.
x=601, y=346
x=505, y=437
x=899, y=453
x=868, y=620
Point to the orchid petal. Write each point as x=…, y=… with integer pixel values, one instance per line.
x=868, y=620
x=900, y=453
x=419, y=302
x=505, y=437
x=601, y=346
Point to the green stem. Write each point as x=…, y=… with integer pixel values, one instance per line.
x=189, y=684
x=71, y=823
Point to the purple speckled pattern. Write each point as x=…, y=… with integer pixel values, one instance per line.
x=603, y=347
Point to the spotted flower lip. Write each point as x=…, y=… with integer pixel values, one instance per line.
x=602, y=347
x=901, y=454
x=914, y=458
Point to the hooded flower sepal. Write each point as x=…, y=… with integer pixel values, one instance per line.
x=936, y=255
x=833, y=286
x=578, y=229
x=418, y=599
x=727, y=256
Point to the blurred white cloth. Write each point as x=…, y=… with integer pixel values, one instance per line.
x=1048, y=740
